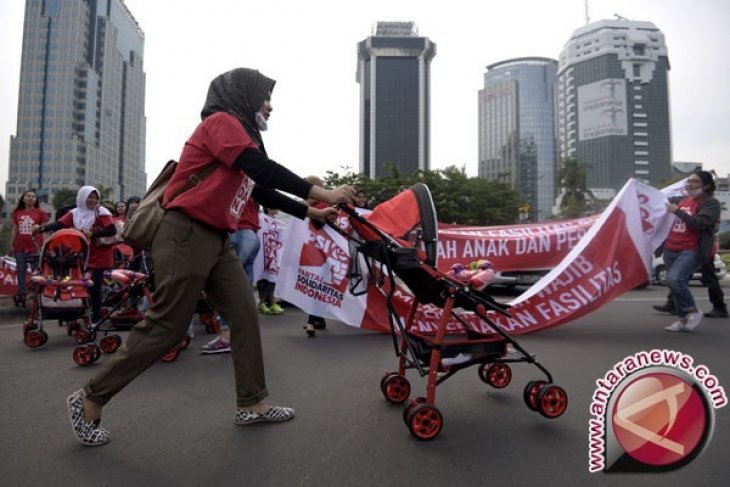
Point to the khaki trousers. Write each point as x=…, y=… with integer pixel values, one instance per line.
x=190, y=257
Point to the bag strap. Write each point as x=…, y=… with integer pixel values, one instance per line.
x=193, y=180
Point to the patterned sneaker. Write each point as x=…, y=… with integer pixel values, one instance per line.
x=217, y=345
x=88, y=433
x=275, y=309
x=692, y=320
x=276, y=414
x=677, y=325
x=264, y=309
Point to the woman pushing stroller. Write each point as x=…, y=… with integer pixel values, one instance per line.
x=192, y=252
x=95, y=222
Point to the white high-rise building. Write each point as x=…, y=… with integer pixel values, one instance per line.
x=613, y=103
x=81, y=100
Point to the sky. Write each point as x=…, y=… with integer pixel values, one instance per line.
x=309, y=48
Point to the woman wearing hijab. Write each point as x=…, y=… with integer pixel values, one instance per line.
x=192, y=252
x=689, y=245
x=94, y=221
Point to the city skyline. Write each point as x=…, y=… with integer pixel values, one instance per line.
x=311, y=50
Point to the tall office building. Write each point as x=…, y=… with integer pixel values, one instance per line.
x=613, y=103
x=517, y=129
x=81, y=100
x=394, y=74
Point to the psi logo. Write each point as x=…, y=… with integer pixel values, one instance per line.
x=653, y=412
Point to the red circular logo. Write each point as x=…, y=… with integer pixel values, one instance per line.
x=660, y=419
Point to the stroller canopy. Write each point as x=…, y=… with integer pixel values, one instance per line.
x=410, y=216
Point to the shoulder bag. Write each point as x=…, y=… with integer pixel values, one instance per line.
x=141, y=226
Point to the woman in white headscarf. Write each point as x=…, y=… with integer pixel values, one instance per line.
x=94, y=221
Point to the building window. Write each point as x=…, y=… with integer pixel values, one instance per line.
x=641, y=153
x=641, y=162
x=639, y=49
x=640, y=124
x=641, y=143
x=637, y=70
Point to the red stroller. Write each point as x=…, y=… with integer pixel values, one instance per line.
x=397, y=243
x=62, y=288
x=126, y=290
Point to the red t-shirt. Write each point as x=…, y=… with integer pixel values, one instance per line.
x=250, y=216
x=682, y=236
x=100, y=256
x=24, y=220
x=219, y=200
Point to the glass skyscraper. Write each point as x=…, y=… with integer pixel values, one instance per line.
x=613, y=103
x=394, y=75
x=517, y=129
x=81, y=100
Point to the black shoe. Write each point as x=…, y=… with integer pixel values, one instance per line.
x=664, y=308
x=320, y=324
x=718, y=313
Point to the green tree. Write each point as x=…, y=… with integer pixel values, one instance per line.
x=64, y=197
x=574, y=202
x=457, y=197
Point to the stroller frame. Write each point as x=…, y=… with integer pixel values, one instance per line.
x=441, y=355
x=64, y=282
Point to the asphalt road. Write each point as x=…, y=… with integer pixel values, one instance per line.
x=173, y=426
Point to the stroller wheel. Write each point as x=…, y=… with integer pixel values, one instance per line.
x=110, y=343
x=95, y=351
x=210, y=320
x=396, y=388
x=83, y=335
x=552, y=401
x=425, y=422
x=411, y=404
x=171, y=355
x=83, y=355
x=35, y=338
x=30, y=324
x=532, y=389
x=496, y=375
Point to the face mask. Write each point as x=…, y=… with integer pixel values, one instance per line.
x=261, y=122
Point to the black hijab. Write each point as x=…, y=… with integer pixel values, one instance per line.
x=240, y=92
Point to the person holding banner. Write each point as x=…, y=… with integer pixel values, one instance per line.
x=689, y=245
x=191, y=252
x=314, y=322
x=267, y=300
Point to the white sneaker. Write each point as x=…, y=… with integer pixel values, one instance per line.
x=692, y=320
x=677, y=325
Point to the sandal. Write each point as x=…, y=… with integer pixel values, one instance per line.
x=88, y=433
x=275, y=414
